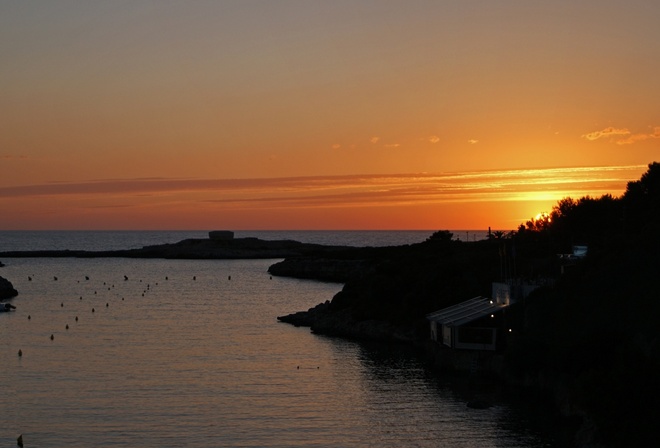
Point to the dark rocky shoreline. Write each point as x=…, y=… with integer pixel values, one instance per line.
x=322, y=319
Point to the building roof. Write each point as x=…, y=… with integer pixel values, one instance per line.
x=465, y=312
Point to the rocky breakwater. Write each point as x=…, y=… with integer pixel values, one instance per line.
x=7, y=290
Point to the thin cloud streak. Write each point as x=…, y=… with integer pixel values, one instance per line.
x=622, y=136
x=346, y=191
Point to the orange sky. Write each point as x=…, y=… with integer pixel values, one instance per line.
x=320, y=115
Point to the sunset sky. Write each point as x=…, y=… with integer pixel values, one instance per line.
x=311, y=114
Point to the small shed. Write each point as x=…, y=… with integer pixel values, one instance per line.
x=580, y=251
x=466, y=325
x=221, y=235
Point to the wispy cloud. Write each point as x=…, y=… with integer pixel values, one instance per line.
x=473, y=141
x=632, y=138
x=374, y=139
x=343, y=191
x=622, y=136
x=434, y=139
x=607, y=132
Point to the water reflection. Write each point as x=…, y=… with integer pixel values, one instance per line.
x=205, y=363
x=407, y=404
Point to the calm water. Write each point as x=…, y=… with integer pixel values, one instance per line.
x=189, y=353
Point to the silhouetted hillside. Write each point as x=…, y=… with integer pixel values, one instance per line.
x=591, y=341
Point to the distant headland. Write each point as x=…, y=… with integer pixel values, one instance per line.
x=220, y=244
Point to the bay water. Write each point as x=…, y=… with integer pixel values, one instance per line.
x=165, y=353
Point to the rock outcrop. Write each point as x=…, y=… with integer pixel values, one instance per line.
x=323, y=319
x=7, y=290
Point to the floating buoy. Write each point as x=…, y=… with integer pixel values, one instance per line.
x=166, y=278
x=62, y=304
x=92, y=310
x=20, y=353
x=29, y=278
x=67, y=326
x=194, y=277
x=229, y=278
x=55, y=278
x=76, y=318
x=86, y=278
x=52, y=337
x=125, y=278
x=107, y=305
x=19, y=441
x=80, y=297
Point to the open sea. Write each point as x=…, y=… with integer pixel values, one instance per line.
x=173, y=353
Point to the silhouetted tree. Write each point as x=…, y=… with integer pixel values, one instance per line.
x=642, y=202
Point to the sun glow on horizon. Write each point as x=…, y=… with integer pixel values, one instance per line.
x=406, y=201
